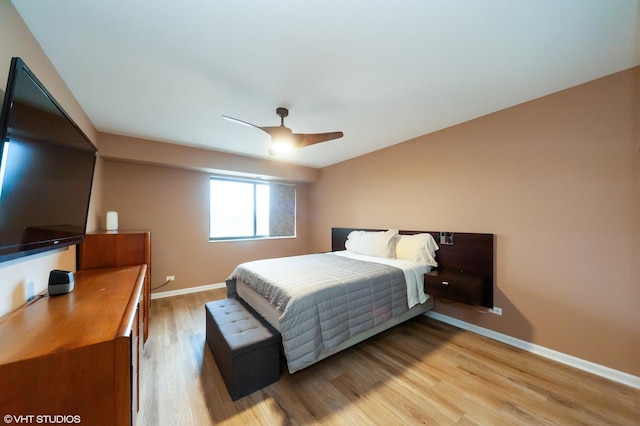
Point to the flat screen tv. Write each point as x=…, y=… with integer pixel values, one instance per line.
x=46, y=170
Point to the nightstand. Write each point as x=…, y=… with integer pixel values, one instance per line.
x=464, y=287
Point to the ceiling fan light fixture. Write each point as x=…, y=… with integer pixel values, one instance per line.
x=281, y=146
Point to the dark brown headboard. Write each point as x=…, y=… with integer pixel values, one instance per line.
x=473, y=253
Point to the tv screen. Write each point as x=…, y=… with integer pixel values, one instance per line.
x=46, y=170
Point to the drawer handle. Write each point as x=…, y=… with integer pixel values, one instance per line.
x=445, y=282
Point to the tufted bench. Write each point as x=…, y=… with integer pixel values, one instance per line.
x=246, y=348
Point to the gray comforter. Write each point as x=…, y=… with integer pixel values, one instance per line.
x=325, y=299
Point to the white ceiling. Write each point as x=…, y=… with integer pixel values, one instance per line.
x=382, y=72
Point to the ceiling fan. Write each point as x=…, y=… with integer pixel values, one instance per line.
x=283, y=139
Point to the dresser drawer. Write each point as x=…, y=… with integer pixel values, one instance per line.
x=457, y=286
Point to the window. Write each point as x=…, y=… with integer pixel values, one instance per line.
x=241, y=209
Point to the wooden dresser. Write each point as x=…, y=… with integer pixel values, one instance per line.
x=76, y=354
x=120, y=248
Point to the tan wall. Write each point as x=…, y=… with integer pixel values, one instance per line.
x=22, y=276
x=557, y=180
x=173, y=204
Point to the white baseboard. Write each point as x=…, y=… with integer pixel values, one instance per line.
x=171, y=293
x=588, y=366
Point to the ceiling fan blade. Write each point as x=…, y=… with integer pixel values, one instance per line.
x=313, y=138
x=275, y=131
x=271, y=130
x=235, y=120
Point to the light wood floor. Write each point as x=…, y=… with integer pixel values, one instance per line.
x=420, y=372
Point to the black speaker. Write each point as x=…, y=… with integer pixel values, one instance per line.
x=60, y=282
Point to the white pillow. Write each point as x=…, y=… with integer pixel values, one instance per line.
x=418, y=248
x=378, y=244
x=352, y=241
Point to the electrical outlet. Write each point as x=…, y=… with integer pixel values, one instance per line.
x=496, y=310
x=170, y=278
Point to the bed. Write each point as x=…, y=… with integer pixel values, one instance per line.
x=324, y=303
